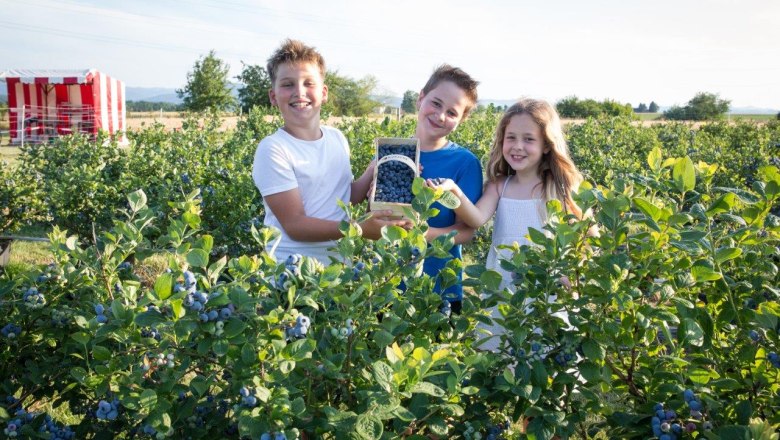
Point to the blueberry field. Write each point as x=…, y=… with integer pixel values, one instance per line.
x=161, y=315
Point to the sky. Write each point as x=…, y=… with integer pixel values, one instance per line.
x=626, y=50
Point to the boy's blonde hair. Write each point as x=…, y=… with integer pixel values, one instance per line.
x=560, y=177
x=463, y=80
x=294, y=51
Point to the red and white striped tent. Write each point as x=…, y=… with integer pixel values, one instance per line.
x=63, y=102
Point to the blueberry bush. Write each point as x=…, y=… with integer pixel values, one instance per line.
x=672, y=310
x=671, y=314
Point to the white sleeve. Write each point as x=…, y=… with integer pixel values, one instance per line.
x=345, y=143
x=272, y=169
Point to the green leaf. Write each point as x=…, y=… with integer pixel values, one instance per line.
x=691, y=332
x=286, y=366
x=149, y=319
x=490, y=279
x=427, y=388
x=648, y=208
x=198, y=258
x=148, y=400
x=744, y=411
x=101, y=353
x=684, y=174
x=163, y=286
x=200, y=385
x=704, y=273
x=220, y=347
x=136, y=200
x=80, y=337
x=734, y=433
x=300, y=349
x=383, y=374
x=593, y=350
x=655, y=159
x=725, y=254
x=537, y=236
x=369, y=427
x=234, y=327
x=724, y=203
x=393, y=233
x=177, y=307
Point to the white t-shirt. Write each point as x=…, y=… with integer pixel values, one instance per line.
x=319, y=169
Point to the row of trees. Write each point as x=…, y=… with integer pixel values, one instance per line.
x=704, y=106
x=573, y=107
x=151, y=106
x=643, y=108
x=208, y=87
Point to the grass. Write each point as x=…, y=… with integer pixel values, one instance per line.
x=648, y=116
x=10, y=154
x=747, y=117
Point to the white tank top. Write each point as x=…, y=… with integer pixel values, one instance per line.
x=512, y=220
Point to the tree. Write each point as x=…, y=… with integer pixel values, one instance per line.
x=701, y=107
x=207, y=86
x=642, y=108
x=409, y=102
x=653, y=107
x=256, y=84
x=573, y=107
x=349, y=97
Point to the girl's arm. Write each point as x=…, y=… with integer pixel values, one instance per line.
x=471, y=214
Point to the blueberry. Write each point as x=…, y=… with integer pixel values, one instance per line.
x=688, y=395
x=99, y=309
x=225, y=313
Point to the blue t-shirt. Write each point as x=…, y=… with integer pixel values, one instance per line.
x=462, y=166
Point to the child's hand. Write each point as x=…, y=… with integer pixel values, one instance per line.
x=372, y=226
x=444, y=184
x=451, y=199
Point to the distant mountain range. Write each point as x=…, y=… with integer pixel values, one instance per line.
x=161, y=94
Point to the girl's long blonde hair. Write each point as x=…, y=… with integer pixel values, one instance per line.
x=559, y=176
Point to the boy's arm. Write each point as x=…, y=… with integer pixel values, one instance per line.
x=360, y=187
x=287, y=206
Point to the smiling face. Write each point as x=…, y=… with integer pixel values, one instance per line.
x=523, y=144
x=439, y=113
x=299, y=92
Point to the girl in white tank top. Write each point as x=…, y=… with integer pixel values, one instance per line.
x=529, y=165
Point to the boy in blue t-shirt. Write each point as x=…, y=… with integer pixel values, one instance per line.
x=445, y=101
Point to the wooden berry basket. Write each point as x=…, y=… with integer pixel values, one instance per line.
x=400, y=210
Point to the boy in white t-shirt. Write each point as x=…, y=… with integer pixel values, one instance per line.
x=303, y=168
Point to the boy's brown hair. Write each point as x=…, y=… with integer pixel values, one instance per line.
x=294, y=51
x=456, y=75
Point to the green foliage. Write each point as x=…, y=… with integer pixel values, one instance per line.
x=573, y=107
x=704, y=106
x=642, y=108
x=207, y=85
x=653, y=107
x=349, y=97
x=20, y=204
x=150, y=106
x=256, y=84
x=409, y=102
x=676, y=292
